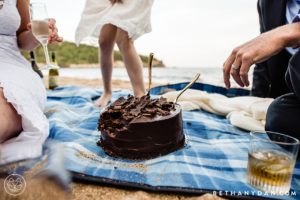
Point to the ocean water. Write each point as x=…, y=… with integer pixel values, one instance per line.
x=212, y=75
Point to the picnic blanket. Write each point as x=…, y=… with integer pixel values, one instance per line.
x=214, y=158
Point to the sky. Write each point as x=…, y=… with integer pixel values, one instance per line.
x=186, y=33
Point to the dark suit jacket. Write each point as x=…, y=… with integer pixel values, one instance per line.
x=293, y=76
x=268, y=76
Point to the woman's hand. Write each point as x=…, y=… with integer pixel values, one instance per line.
x=53, y=35
x=258, y=50
x=116, y=1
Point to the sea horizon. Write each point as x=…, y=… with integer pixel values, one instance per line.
x=160, y=75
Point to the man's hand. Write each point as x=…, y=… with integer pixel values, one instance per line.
x=258, y=50
x=116, y=1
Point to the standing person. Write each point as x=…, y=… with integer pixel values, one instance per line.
x=120, y=22
x=23, y=125
x=284, y=113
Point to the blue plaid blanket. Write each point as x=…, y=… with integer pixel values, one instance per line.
x=213, y=160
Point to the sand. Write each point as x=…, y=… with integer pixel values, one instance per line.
x=47, y=189
x=93, y=83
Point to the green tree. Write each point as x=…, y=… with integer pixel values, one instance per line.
x=68, y=53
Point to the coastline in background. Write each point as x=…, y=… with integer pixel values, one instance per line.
x=70, y=55
x=167, y=75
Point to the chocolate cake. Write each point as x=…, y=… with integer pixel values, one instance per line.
x=140, y=128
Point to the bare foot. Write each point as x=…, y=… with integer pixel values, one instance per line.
x=139, y=94
x=103, y=100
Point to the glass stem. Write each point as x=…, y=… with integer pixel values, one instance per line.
x=45, y=47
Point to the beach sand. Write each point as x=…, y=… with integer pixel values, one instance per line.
x=83, y=191
x=92, y=83
x=46, y=189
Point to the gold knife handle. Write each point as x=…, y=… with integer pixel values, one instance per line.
x=187, y=87
x=151, y=56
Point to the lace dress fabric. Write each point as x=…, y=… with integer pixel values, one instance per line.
x=23, y=88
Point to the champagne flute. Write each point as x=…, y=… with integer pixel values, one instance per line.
x=40, y=29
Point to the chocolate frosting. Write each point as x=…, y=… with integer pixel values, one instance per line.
x=141, y=127
x=123, y=112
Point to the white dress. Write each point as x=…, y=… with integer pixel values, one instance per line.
x=22, y=88
x=132, y=16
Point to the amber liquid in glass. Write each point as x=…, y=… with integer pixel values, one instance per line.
x=270, y=171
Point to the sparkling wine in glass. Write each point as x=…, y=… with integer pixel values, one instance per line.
x=40, y=28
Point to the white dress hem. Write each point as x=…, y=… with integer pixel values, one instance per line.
x=131, y=16
x=28, y=144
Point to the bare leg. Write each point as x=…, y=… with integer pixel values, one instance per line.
x=132, y=62
x=11, y=123
x=106, y=42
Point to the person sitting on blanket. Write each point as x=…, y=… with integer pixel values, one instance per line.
x=269, y=75
x=23, y=126
x=284, y=113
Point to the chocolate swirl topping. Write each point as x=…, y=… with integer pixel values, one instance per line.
x=124, y=111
